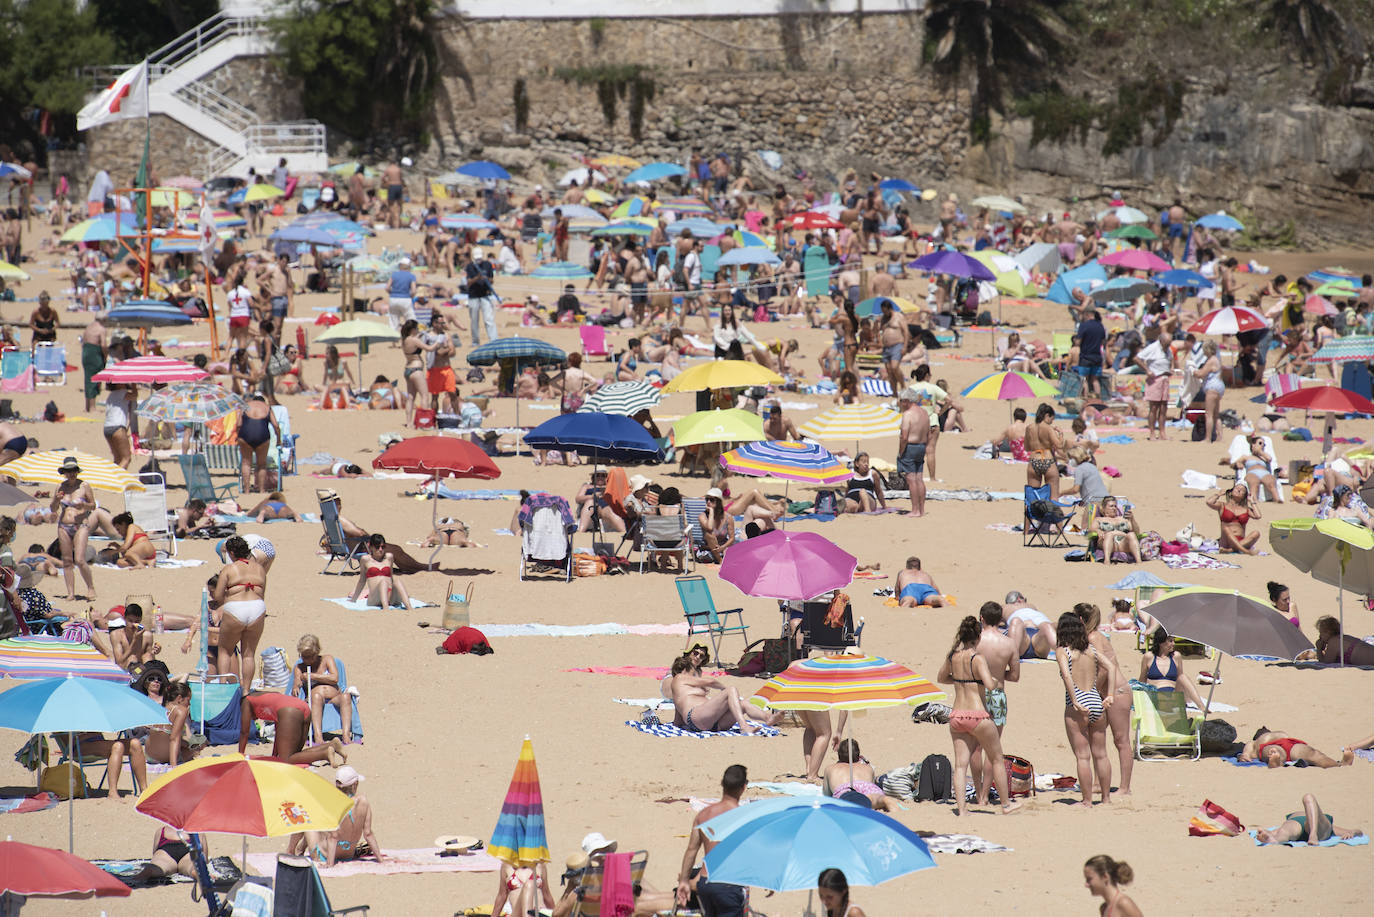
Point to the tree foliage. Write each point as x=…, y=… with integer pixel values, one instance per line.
x=140, y=27
x=366, y=66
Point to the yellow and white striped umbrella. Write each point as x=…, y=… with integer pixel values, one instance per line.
x=852, y=421
x=100, y=473
x=12, y=271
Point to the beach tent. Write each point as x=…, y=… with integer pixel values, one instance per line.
x=1082, y=278
x=1042, y=256
x=816, y=270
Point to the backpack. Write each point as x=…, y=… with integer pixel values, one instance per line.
x=935, y=782
x=680, y=276
x=826, y=504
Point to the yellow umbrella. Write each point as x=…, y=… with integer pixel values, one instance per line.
x=852, y=421
x=359, y=330
x=12, y=272
x=719, y=426
x=597, y=196
x=722, y=374
x=261, y=192
x=100, y=473
x=176, y=198
x=617, y=161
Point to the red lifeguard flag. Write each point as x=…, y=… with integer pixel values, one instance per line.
x=126, y=97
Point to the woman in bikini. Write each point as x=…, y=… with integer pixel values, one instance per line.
x=523, y=887
x=1085, y=720
x=137, y=549
x=832, y=887
x=1276, y=749
x=853, y=774
x=451, y=532
x=1104, y=877
x=717, y=526
x=241, y=591
x=171, y=855
x=1333, y=646
x=1116, y=532
x=970, y=725
x=353, y=839
x=256, y=429
x=1236, y=508
x=1343, y=506
x=319, y=673
x=1044, y=446
x=338, y=377
x=73, y=501
x=1119, y=713
x=376, y=575
x=1257, y=469
x=274, y=507
x=1282, y=599
x=1162, y=669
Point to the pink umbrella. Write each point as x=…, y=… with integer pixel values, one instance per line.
x=788, y=565
x=150, y=369
x=1319, y=306
x=1137, y=259
x=1229, y=320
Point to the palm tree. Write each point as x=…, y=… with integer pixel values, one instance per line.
x=999, y=40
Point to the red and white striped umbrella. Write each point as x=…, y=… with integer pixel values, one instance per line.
x=150, y=369
x=1230, y=320
x=1316, y=305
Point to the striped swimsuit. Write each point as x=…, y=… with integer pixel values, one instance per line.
x=1088, y=698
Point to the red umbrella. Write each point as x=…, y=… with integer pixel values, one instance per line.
x=150, y=369
x=1319, y=306
x=1329, y=398
x=1229, y=320
x=441, y=456
x=1137, y=259
x=810, y=219
x=43, y=871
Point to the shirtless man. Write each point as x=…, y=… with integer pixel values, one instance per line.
x=851, y=285
x=637, y=272
x=278, y=284
x=949, y=212
x=1044, y=446
x=395, y=193
x=130, y=641
x=1178, y=229
x=357, y=193
x=1311, y=824
x=700, y=711
x=894, y=340
x=882, y=283
x=92, y=358
x=915, y=587
x=1029, y=629
x=345, y=842
x=1001, y=654
x=911, y=448
x=715, y=898
x=777, y=427
x=441, y=381
x=13, y=444
x=1277, y=748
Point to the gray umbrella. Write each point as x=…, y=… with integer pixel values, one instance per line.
x=13, y=496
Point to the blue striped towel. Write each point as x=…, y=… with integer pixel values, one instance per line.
x=669, y=731
x=875, y=386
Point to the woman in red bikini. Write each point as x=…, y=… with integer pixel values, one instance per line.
x=970, y=725
x=1276, y=749
x=1334, y=646
x=377, y=575
x=1235, y=509
x=137, y=549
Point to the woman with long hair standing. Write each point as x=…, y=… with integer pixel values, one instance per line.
x=1104, y=877
x=1085, y=710
x=1119, y=713
x=970, y=726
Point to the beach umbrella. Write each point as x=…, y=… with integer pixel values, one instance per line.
x=628, y=398
x=146, y=313
x=14, y=170
x=623, y=228
x=1008, y=386
x=485, y=169
x=350, y=166
x=519, y=839
x=898, y=184
x=1220, y=220
x=846, y=682
x=747, y=239
x=562, y=270
x=1229, y=320
x=1337, y=290
x=852, y=421
x=1180, y=277
x=999, y=202
x=1124, y=214
x=636, y=207
x=787, y=566
x=873, y=305
x=180, y=242
x=515, y=348
x=1010, y=277
x=441, y=457
x=1136, y=259
x=654, y=171
x=465, y=221
x=358, y=331
x=597, y=196
x=700, y=226
x=13, y=496
x=42, y=468
x=722, y=374
x=1336, y=274
x=1333, y=550
x=750, y=255
x=1329, y=398
x=304, y=235
x=12, y=272
x=261, y=192
x=190, y=402
x=104, y=228
x=27, y=871
x=1122, y=290
x=149, y=369
x=30, y=658
x=616, y=161
x=785, y=849
x=1133, y=231
x=686, y=205
x=1316, y=305
x=721, y=425
x=1357, y=348
x=811, y=219
x=956, y=264
x=600, y=437
x=790, y=461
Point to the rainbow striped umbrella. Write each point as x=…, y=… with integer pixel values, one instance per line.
x=790, y=461
x=845, y=683
x=100, y=473
x=32, y=658
x=1358, y=348
x=632, y=207
x=519, y=839
x=683, y=206
x=1007, y=386
x=749, y=239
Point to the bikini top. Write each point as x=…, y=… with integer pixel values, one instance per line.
x=964, y=681
x=1228, y=516
x=1154, y=674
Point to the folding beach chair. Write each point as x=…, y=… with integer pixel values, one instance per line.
x=49, y=363
x=149, y=509
x=224, y=457
x=664, y=535
x=1044, y=522
x=72, y=753
x=216, y=707
x=299, y=892
x=284, y=450
x=699, y=608
x=547, y=538
x=588, y=888
x=1161, y=724
x=594, y=341
x=816, y=634
x=330, y=721
x=199, y=484
x=334, y=541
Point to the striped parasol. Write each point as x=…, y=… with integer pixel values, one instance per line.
x=683, y=206
x=148, y=313
x=628, y=398
x=1008, y=386
x=516, y=348
x=519, y=839
x=190, y=402
x=845, y=683
x=872, y=385
x=150, y=369
x=1358, y=348
x=465, y=221
x=852, y=421
x=100, y=473
x=623, y=228
x=790, y=461
x=32, y=658
x=562, y=270
x=1229, y=320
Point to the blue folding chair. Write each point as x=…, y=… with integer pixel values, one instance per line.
x=699, y=608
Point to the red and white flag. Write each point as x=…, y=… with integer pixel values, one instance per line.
x=126, y=97
x=208, y=232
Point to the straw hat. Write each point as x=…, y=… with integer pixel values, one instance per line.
x=29, y=577
x=456, y=843
x=70, y=464
x=639, y=482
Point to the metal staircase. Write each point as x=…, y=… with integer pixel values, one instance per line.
x=177, y=89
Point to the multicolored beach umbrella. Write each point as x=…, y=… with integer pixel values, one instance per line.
x=1008, y=386
x=519, y=839
x=562, y=270
x=30, y=658
x=845, y=682
x=790, y=461
x=190, y=402
x=686, y=205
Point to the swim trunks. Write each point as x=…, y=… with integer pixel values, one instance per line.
x=440, y=379
x=892, y=353
x=995, y=701
x=913, y=459
x=918, y=591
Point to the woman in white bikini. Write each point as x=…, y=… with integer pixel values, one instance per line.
x=241, y=592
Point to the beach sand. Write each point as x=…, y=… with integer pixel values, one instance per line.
x=443, y=732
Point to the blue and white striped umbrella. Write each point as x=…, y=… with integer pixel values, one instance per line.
x=700, y=226
x=516, y=348
x=628, y=398
x=145, y=313
x=872, y=385
x=562, y=270
x=623, y=229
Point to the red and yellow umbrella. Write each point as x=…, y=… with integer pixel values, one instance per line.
x=845, y=683
x=519, y=839
x=231, y=794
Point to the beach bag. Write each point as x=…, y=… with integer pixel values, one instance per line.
x=425, y=419
x=900, y=782
x=276, y=670
x=752, y=662
x=777, y=654
x=457, y=607
x=1020, y=776
x=1212, y=820
x=278, y=364
x=1217, y=736
x=64, y=781
x=588, y=565
x=826, y=503
x=935, y=780
x=1169, y=548
x=1042, y=511
x=1151, y=544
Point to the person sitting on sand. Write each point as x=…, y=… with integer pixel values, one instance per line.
x=1345, y=505
x=449, y=531
x=915, y=587
x=1276, y=749
x=1311, y=824
x=171, y=856
x=376, y=575
x=1031, y=629
x=1335, y=647
x=383, y=395
x=698, y=710
x=191, y=518
x=353, y=839
x=864, y=491
x=1116, y=532
x=852, y=778
x=1236, y=508
x=274, y=507
x=1013, y=438
x=137, y=549
x=291, y=718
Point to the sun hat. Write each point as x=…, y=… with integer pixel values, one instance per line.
x=639, y=482
x=404, y=262
x=596, y=842
x=455, y=843
x=348, y=776
x=715, y=492
x=70, y=464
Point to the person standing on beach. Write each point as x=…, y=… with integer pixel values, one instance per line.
x=357, y=193
x=395, y=193
x=911, y=449
x=716, y=898
x=1004, y=664
x=92, y=358
x=1157, y=360
x=895, y=338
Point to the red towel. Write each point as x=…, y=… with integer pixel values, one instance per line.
x=617, y=892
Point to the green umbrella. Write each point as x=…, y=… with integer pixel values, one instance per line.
x=1133, y=231
x=359, y=331
x=1332, y=550
x=731, y=425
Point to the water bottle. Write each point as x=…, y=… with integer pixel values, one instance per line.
x=157, y=622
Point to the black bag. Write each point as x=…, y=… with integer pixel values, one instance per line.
x=777, y=654
x=936, y=780
x=679, y=277
x=1045, y=511
x=1217, y=736
x=826, y=504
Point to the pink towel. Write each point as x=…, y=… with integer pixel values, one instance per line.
x=617, y=892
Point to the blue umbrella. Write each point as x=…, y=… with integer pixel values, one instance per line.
x=465, y=221
x=1180, y=277
x=956, y=264
x=1221, y=220
x=601, y=437
x=307, y=235
x=515, y=348
x=146, y=313
x=700, y=226
x=898, y=184
x=483, y=168
x=653, y=171
x=785, y=844
x=1122, y=289
x=622, y=229
x=562, y=270
x=751, y=254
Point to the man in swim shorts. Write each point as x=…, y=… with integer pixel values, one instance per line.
x=1276, y=749
x=1031, y=630
x=1311, y=824
x=716, y=898
x=911, y=448
x=915, y=587
x=895, y=337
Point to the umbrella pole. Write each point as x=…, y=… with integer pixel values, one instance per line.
x=1340, y=604
x=71, y=796
x=434, y=518
x=1216, y=677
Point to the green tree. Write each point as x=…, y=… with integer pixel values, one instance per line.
x=366, y=66
x=140, y=27
x=1000, y=41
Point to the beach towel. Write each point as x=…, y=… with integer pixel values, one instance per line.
x=1359, y=840
x=1196, y=480
x=669, y=731
x=787, y=788
x=1237, y=762
x=1141, y=578
x=18, y=805
x=1117, y=439
x=1195, y=561
x=584, y=630
x=449, y=493
x=1365, y=753
x=420, y=859
x=162, y=563
x=360, y=604
x=635, y=671
x=239, y=518
x=223, y=872
x=617, y=891
x=961, y=843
